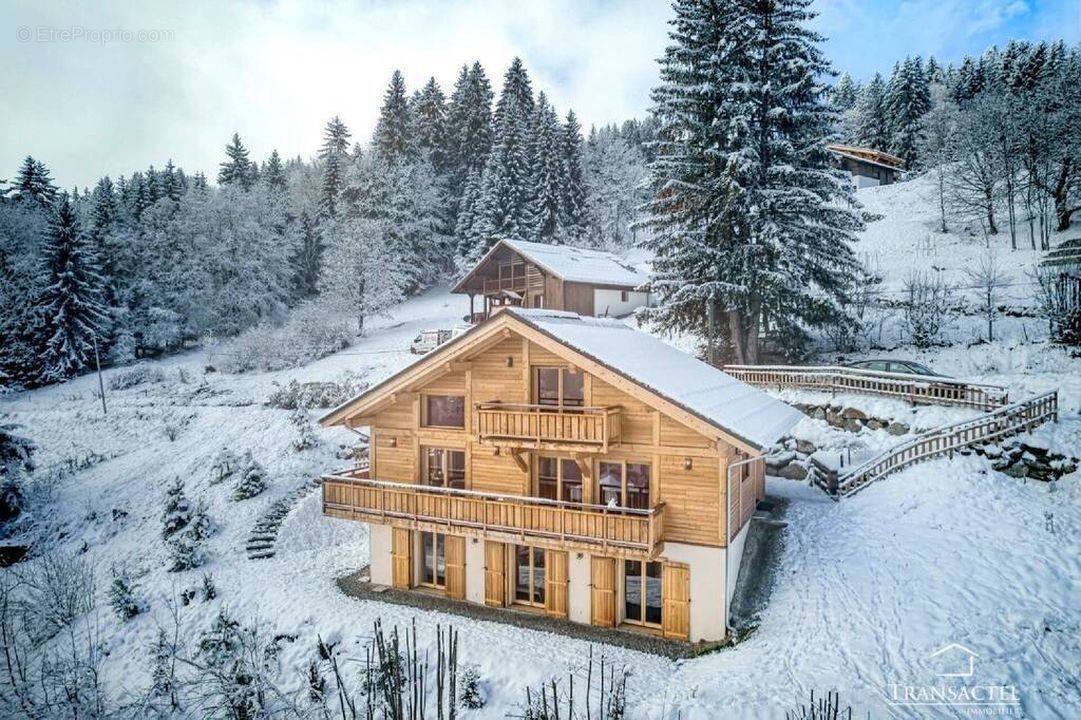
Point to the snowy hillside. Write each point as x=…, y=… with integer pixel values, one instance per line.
x=865, y=590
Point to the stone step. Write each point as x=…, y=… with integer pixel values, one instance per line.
x=261, y=555
x=262, y=537
x=260, y=545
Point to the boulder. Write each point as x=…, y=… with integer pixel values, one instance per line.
x=851, y=413
x=875, y=424
x=853, y=425
x=1017, y=470
x=819, y=413
x=805, y=447
x=835, y=419
x=792, y=471
x=780, y=459
x=897, y=428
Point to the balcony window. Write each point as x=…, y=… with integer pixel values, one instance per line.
x=558, y=387
x=444, y=411
x=559, y=479
x=642, y=592
x=444, y=468
x=625, y=484
x=529, y=572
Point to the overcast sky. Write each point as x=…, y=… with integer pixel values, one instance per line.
x=83, y=91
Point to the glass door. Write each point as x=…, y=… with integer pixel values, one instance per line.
x=433, y=570
x=642, y=593
x=529, y=574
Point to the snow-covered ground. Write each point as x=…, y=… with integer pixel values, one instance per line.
x=866, y=589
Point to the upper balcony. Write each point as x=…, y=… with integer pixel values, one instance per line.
x=620, y=532
x=546, y=427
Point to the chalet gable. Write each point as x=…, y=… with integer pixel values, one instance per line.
x=698, y=401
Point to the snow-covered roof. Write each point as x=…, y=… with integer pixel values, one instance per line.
x=715, y=396
x=576, y=264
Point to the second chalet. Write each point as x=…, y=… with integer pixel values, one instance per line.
x=566, y=465
x=558, y=277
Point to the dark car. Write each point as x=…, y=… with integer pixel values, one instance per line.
x=907, y=367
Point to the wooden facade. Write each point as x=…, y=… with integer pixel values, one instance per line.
x=611, y=471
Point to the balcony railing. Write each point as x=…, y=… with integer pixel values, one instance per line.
x=623, y=532
x=548, y=427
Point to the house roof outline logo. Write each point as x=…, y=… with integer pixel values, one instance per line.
x=966, y=656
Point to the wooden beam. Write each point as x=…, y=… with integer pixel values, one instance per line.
x=521, y=462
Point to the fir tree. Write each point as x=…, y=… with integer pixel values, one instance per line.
x=547, y=162
x=34, y=184
x=870, y=127
x=574, y=196
x=749, y=216
x=430, y=124
x=176, y=511
x=123, y=597
x=469, y=127
x=334, y=154
x=463, y=230
x=844, y=93
x=907, y=99
x=393, y=132
x=308, y=258
x=71, y=303
x=170, y=182
x=237, y=168
x=251, y=478
x=274, y=173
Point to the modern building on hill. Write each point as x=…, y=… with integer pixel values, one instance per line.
x=558, y=277
x=562, y=464
x=868, y=167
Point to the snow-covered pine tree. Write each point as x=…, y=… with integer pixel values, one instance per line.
x=33, y=183
x=545, y=211
x=429, y=113
x=308, y=258
x=237, y=169
x=251, y=478
x=123, y=595
x=573, y=202
x=463, y=230
x=516, y=97
x=614, y=178
x=844, y=92
x=305, y=437
x=469, y=128
x=274, y=173
x=16, y=462
x=870, y=127
x=176, y=510
x=907, y=99
x=71, y=302
x=170, y=182
x=334, y=154
x=393, y=138
x=226, y=462
x=749, y=215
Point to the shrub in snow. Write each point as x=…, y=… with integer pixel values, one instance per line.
x=163, y=667
x=305, y=437
x=136, y=375
x=123, y=598
x=317, y=394
x=233, y=664
x=185, y=530
x=57, y=589
x=16, y=461
x=1060, y=302
x=473, y=693
x=820, y=708
x=313, y=331
x=928, y=306
x=209, y=590
x=252, y=479
x=226, y=462
x=176, y=510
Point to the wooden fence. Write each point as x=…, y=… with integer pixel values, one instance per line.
x=911, y=388
x=999, y=423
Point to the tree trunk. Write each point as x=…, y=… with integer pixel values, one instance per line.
x=1063, y=211
x=752, y=321
x=360, y=323
x=735, y=335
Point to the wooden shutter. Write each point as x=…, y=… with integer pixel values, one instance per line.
x=676, y=601
x=604, y=591
x=555, y=583
x=495, y=583
x=455, y=563
x=400, y=552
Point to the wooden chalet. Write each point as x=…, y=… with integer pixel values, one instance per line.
x=868, y=167
x=566, y=465
x=557, y=277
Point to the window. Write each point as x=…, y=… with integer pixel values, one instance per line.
x=625, y=484
x=559, y=479
x=642, y=592
x=558, y=387
x=529, y=575
x=444, y=468
x=512, y=274
x=624, y=296
x=433, y=566
x=444, y=411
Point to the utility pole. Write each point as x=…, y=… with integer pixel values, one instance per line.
x=101, y=383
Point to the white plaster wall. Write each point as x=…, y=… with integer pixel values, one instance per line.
x=709, y=600
x=379, y=560
x=474, y=570
x=579, y=592
x=735, y=559
x=609, y=302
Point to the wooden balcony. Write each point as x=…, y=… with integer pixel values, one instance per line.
x=619, y=532
x=544, y=427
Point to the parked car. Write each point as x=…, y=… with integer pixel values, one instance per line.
x=908, y=367
x=428, y=340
